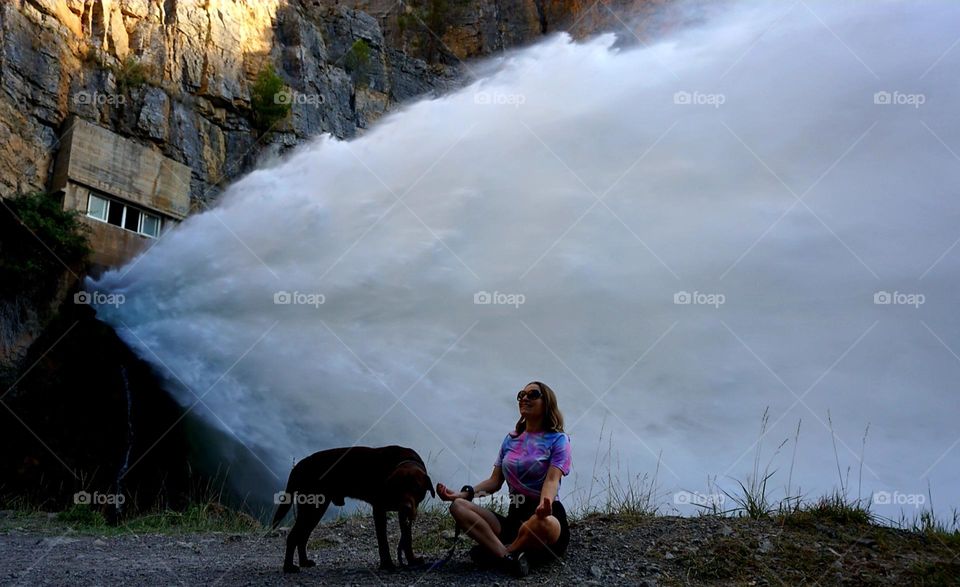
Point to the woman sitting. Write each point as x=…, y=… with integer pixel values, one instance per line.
x=532, y=459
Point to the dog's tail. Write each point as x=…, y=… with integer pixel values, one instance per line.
x=282, y=510
x=284, y=500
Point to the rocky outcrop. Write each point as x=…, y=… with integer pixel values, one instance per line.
x=177, y=74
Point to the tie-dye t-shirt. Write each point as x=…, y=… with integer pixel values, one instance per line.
x=526, y=458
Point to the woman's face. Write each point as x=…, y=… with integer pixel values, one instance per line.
x=531, y=408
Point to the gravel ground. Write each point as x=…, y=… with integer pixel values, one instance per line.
x=604, y=550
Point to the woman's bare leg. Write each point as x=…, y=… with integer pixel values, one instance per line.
x=479, y=524
x=536, y=534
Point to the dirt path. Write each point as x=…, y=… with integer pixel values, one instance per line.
x=604, y=550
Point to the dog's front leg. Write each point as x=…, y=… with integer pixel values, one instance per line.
x=406, y=539
x=380, y=522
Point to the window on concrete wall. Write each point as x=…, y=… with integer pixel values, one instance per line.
x=115, y=213
x=150, y=225
x=124, y=216
x=131, y=219
x=97, y=207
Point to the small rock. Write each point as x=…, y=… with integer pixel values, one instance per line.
x=669, y=556
x=726, y=530
x=868, y=542
x=99, y=542
x=596, y=572
x=448, y=534
x=766, y=546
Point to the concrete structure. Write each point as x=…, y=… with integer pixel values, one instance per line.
x=128, y=193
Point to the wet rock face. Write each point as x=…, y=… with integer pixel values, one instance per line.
x=83, y=418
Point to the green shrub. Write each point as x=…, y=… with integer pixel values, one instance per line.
x=37, y=238
x=358, y=55
x=131, y=73
x=270, y=99
x=356, y=60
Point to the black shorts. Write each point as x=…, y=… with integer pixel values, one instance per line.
x=518, y=514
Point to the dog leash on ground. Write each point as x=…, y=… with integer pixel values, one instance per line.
x=453, y=547
x=456, y=536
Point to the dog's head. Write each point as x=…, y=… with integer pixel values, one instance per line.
x=407, y=486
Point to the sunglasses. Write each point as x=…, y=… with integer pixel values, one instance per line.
x=530, y=395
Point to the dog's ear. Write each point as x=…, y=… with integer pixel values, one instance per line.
x=429, y=483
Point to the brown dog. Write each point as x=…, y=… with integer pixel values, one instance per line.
x=390, y=478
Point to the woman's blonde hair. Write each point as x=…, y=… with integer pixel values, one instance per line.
x=552, y=418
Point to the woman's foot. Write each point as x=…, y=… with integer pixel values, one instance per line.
x=483, y=557
x=516, y=564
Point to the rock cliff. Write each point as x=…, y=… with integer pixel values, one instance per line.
x=177, y=74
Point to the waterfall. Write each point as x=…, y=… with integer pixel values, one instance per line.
x=756, y=211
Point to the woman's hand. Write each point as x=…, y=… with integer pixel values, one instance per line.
x=447, y=494
x=545, y=508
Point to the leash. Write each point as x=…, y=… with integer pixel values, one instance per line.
x=456, y=533
x=436, y=564
x=453, y=547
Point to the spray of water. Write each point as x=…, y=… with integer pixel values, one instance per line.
x=757, y=211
